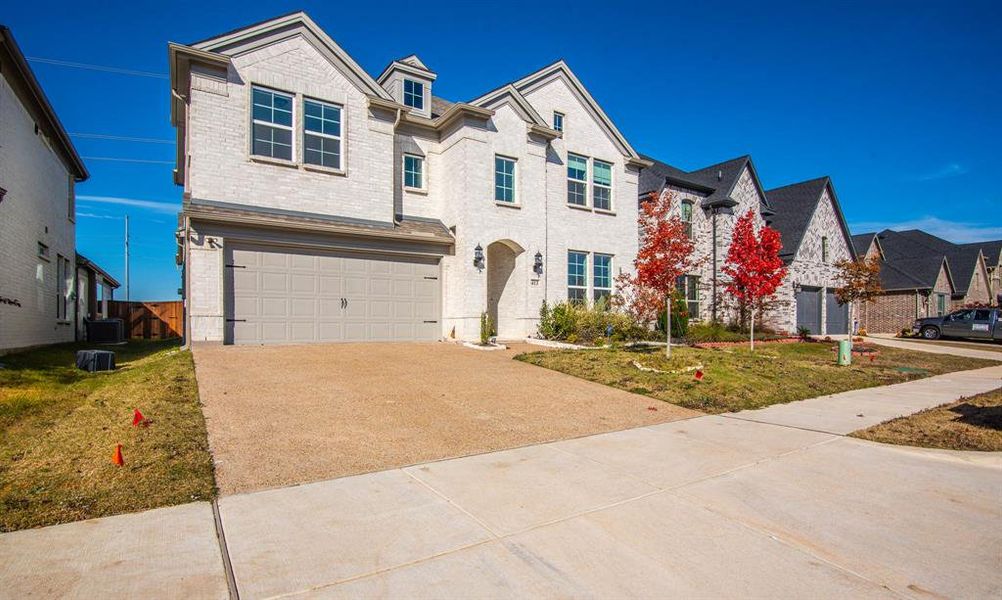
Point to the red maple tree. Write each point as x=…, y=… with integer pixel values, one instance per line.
x=665, y=254
x=753, y=264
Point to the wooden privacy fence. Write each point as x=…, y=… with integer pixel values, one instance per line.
x=148, y=320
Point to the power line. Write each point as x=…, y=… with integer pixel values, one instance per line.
x=121, y=138
x=130, y=160
x=105, y=68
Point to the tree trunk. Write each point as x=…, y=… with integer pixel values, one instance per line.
x=668, y=326
x=751, y=336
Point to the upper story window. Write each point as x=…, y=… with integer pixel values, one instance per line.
x=413, y=172
x=601, y=277
x=601, y=177
x=558, y=121
x=577, y=180
x=43, y=251
x=824, y=248
x=272, y=124
x=687, y=217
x=504, y=179
x=322, y=134
x=414, y=94
x=71, y=200
x=577, y=276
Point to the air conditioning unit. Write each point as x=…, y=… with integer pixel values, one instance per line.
x=95, y=360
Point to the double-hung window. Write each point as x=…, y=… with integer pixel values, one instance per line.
x=577, y=276
x=413, y=172
x=687, y=217
x=577, y=180
x=504, y=179
x=414, y=94
x=601, y=277
x=689, y=286
x=271, y=124
x=322, y=134
x=601, y=191
x=558, y=121
x=824, y=248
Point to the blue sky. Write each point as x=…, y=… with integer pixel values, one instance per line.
x=899, y=102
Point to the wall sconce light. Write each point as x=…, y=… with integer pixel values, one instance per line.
x=478, y=257
x=537, y=266
x=797, y=288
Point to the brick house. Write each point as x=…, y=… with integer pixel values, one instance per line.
x=992, y=252
x=324, y=204
x=807, y=215
x=39, y=168
x=922, y=276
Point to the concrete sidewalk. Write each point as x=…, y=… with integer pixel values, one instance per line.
x=966, y=350
x=767, y=503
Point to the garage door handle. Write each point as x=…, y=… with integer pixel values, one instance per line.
x=236, y=320
x=431, y=321
x=344, y=303
x=236, y=266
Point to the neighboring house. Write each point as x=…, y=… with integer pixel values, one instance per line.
x=917, y=281
x=39, y=168
x=94, y=289
x=992, y=252
x=322, y=204
x=807, y=216
x=711, y=200
x=815, y=238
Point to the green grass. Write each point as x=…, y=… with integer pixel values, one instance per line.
x=737, y=379
x=973, y=423
x=60, y=426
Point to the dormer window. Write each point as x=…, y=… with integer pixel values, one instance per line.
x=558, y=121
x=414, y=94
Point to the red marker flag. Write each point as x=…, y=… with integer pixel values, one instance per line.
x=137, y=418
x=699, y=375
x=117, y=456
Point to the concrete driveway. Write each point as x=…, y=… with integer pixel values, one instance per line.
x=280, y=415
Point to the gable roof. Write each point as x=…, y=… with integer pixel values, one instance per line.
x=29, y=92
x=716, y=181
x=911, y=263
x=861, y=243
x=964, y=260
x=992, y=250
x=510, y=94
x=286, y=26
x=560, y=69
x=794, y=207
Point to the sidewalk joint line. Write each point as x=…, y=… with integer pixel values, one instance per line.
x=231, y=580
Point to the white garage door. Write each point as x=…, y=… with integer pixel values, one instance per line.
x=289, y=296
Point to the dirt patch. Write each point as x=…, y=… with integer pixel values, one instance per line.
x=280, y=415
x=973, y=423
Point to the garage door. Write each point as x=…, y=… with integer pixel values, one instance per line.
x=279, y=296
x=836, y=316
x=809, y=309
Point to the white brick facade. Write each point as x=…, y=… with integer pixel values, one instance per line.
x=459, y=182
x=36, y=209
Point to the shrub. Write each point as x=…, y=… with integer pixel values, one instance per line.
x=486, y=329
x=679, y=316
x=577, y=323
x=804, y=333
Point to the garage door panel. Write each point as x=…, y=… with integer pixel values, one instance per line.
x=274, y=283
x=274, y=307
x=290, y=296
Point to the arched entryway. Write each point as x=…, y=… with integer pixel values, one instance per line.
x=502, y=292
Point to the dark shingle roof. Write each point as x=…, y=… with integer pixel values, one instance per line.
x=795, y=205
x=963, y=259
x=439, y=106
x=716, y=181
x=861, y=243
x=908, y=262
x=992, y=250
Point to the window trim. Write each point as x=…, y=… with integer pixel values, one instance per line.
x=584, y=274
x=423, y=173
x=688, y=222
x=610, y=187
x=691, y=293
x=340, y=139
x=291, y=128
x=403, y=86
x=557, y=115
x=514, y=180
x=42, y=251
x=584, y=181
x=594, y=279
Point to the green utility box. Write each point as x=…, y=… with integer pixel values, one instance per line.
x=845, y=353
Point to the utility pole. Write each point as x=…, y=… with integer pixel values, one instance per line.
x=126, y=258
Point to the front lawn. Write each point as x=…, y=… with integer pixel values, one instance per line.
x=737, y=379
x=973, y=423
x=60, y=426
